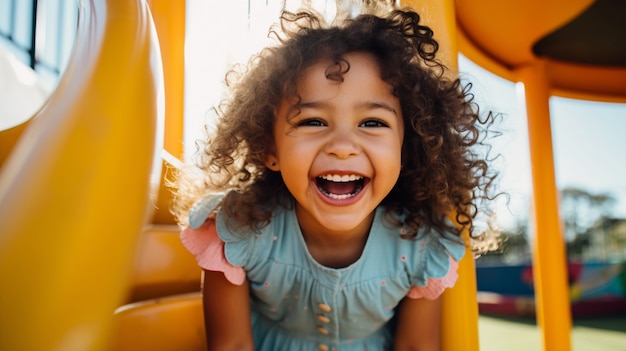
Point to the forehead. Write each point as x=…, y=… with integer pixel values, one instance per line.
x=336, y=67
x=356, y=70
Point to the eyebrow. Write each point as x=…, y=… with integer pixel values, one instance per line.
x=367, y=105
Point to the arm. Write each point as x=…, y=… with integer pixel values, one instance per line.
x=418, y=327
x=226, y=314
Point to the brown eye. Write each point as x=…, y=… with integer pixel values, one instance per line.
x=311, y=122
x=373, y=123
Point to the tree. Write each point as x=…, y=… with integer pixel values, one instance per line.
x=586, y=218
x=580, y=209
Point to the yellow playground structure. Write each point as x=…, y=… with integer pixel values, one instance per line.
x=89, y=254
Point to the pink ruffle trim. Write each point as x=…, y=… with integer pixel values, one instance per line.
x=208, y=248
x=436, y=286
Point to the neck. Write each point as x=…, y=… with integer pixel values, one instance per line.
x=333, y=249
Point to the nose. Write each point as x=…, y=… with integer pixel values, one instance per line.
x=342, y=144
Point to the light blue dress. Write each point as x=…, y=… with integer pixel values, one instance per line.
x=299, y=304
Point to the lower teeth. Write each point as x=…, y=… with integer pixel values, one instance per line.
x=340, y=196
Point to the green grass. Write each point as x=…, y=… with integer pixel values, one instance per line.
x=522, y=334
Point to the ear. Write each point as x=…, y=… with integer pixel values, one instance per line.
x=271, y=162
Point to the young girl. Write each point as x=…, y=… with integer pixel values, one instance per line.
x=320, y=214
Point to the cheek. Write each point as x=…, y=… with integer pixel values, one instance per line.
x=294, y=162
x=397, y=151
x=396, y=160
x=389, y=161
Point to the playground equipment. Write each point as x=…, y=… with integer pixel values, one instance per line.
x=595, y=289
x=83, y=211
x=75, y=190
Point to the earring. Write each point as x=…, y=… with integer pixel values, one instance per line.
x=273, y=164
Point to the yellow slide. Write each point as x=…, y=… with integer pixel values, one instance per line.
x=75, y=189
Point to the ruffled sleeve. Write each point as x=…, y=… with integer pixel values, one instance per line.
x=208, y=248
x=438, y=267
x=201, y=240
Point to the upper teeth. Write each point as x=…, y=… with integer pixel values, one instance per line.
x=338, y=178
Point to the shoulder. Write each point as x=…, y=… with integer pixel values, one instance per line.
x=245, y=245
x=427, y=257
x=427, y=243
x=437, y=266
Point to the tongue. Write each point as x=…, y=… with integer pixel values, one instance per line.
x=340, y=188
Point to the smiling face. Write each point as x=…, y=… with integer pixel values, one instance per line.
x=339, y=151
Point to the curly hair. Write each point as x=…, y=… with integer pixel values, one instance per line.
x=442, y=173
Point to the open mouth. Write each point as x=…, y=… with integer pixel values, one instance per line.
x=340, y=187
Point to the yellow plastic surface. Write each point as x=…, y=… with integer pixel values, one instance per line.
x=173, y=323
x=459, y=329
x=74, y=193
x=9, y=138
x=163, y=266
x=507, y=30
x=22, y=92
x=163, y=196
x=169, y=18
x=499, y=36
x=549, y=258
x=585, y=82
